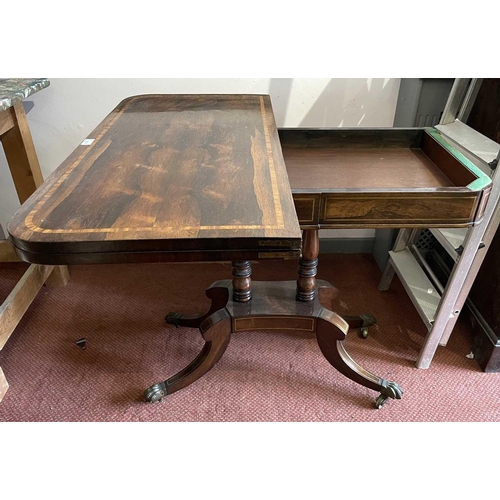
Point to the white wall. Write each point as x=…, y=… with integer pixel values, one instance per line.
x=69, y=109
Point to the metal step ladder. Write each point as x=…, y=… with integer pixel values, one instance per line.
x=440, y=307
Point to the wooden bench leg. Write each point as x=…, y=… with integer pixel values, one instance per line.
x=3, y=384
x=21, y=155
x=7, y=252
x=18, y=301
x=22, y=159
x=59, y=276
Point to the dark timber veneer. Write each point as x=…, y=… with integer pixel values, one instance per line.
x=191, y=178
x=170, y=178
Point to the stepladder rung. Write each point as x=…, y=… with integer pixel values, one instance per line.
x=418, y=286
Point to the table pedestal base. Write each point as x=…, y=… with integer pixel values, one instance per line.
x=273, y=306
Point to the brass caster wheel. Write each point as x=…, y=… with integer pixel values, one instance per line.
x=363, y=332
x=381, y=401
x=155, y=393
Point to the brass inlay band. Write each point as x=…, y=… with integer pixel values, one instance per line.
x=278, y=255
x=335, y=319
x=274, y=243
x=274, y=185
x=272, y=171
x=244, y=324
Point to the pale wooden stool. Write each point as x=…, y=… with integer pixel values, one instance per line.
x=17, y=143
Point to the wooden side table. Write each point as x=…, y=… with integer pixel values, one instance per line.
x=25, y=169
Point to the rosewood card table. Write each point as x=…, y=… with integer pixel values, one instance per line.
x=192, y=178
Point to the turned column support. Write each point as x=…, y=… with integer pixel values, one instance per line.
x=242, y=281
x=308, y=266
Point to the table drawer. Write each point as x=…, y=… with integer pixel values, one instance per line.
x=408, y=209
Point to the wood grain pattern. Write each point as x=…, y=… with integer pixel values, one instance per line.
x=58, y=277
x=167, y=173
x=242, y=281
x=308, y=266
x=21, y=155
x=448, y=164
x=7, y=252
x=18, y=301
x=273, y=306
x=351, y=137
x=398, y=208
x=6, y=121
x=358, y=168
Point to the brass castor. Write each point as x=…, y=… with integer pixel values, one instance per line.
x=368, y=320
x=363, y=332
x=391, y=390
x=172, y=318
x=155, y=393
x=380, y=401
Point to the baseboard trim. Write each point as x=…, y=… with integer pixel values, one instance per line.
x=346, y=245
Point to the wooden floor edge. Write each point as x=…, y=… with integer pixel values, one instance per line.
x=18, y=301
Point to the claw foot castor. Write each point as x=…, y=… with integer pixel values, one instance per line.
x=172, y=318
x=155, y=393
x=392, y=390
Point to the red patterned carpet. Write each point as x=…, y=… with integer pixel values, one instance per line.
x=263, y=376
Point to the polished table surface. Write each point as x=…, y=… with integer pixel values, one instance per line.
x=167, y=178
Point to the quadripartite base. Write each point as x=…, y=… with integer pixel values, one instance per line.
x=273, y=306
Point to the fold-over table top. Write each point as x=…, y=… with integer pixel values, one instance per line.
x=166, y=173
